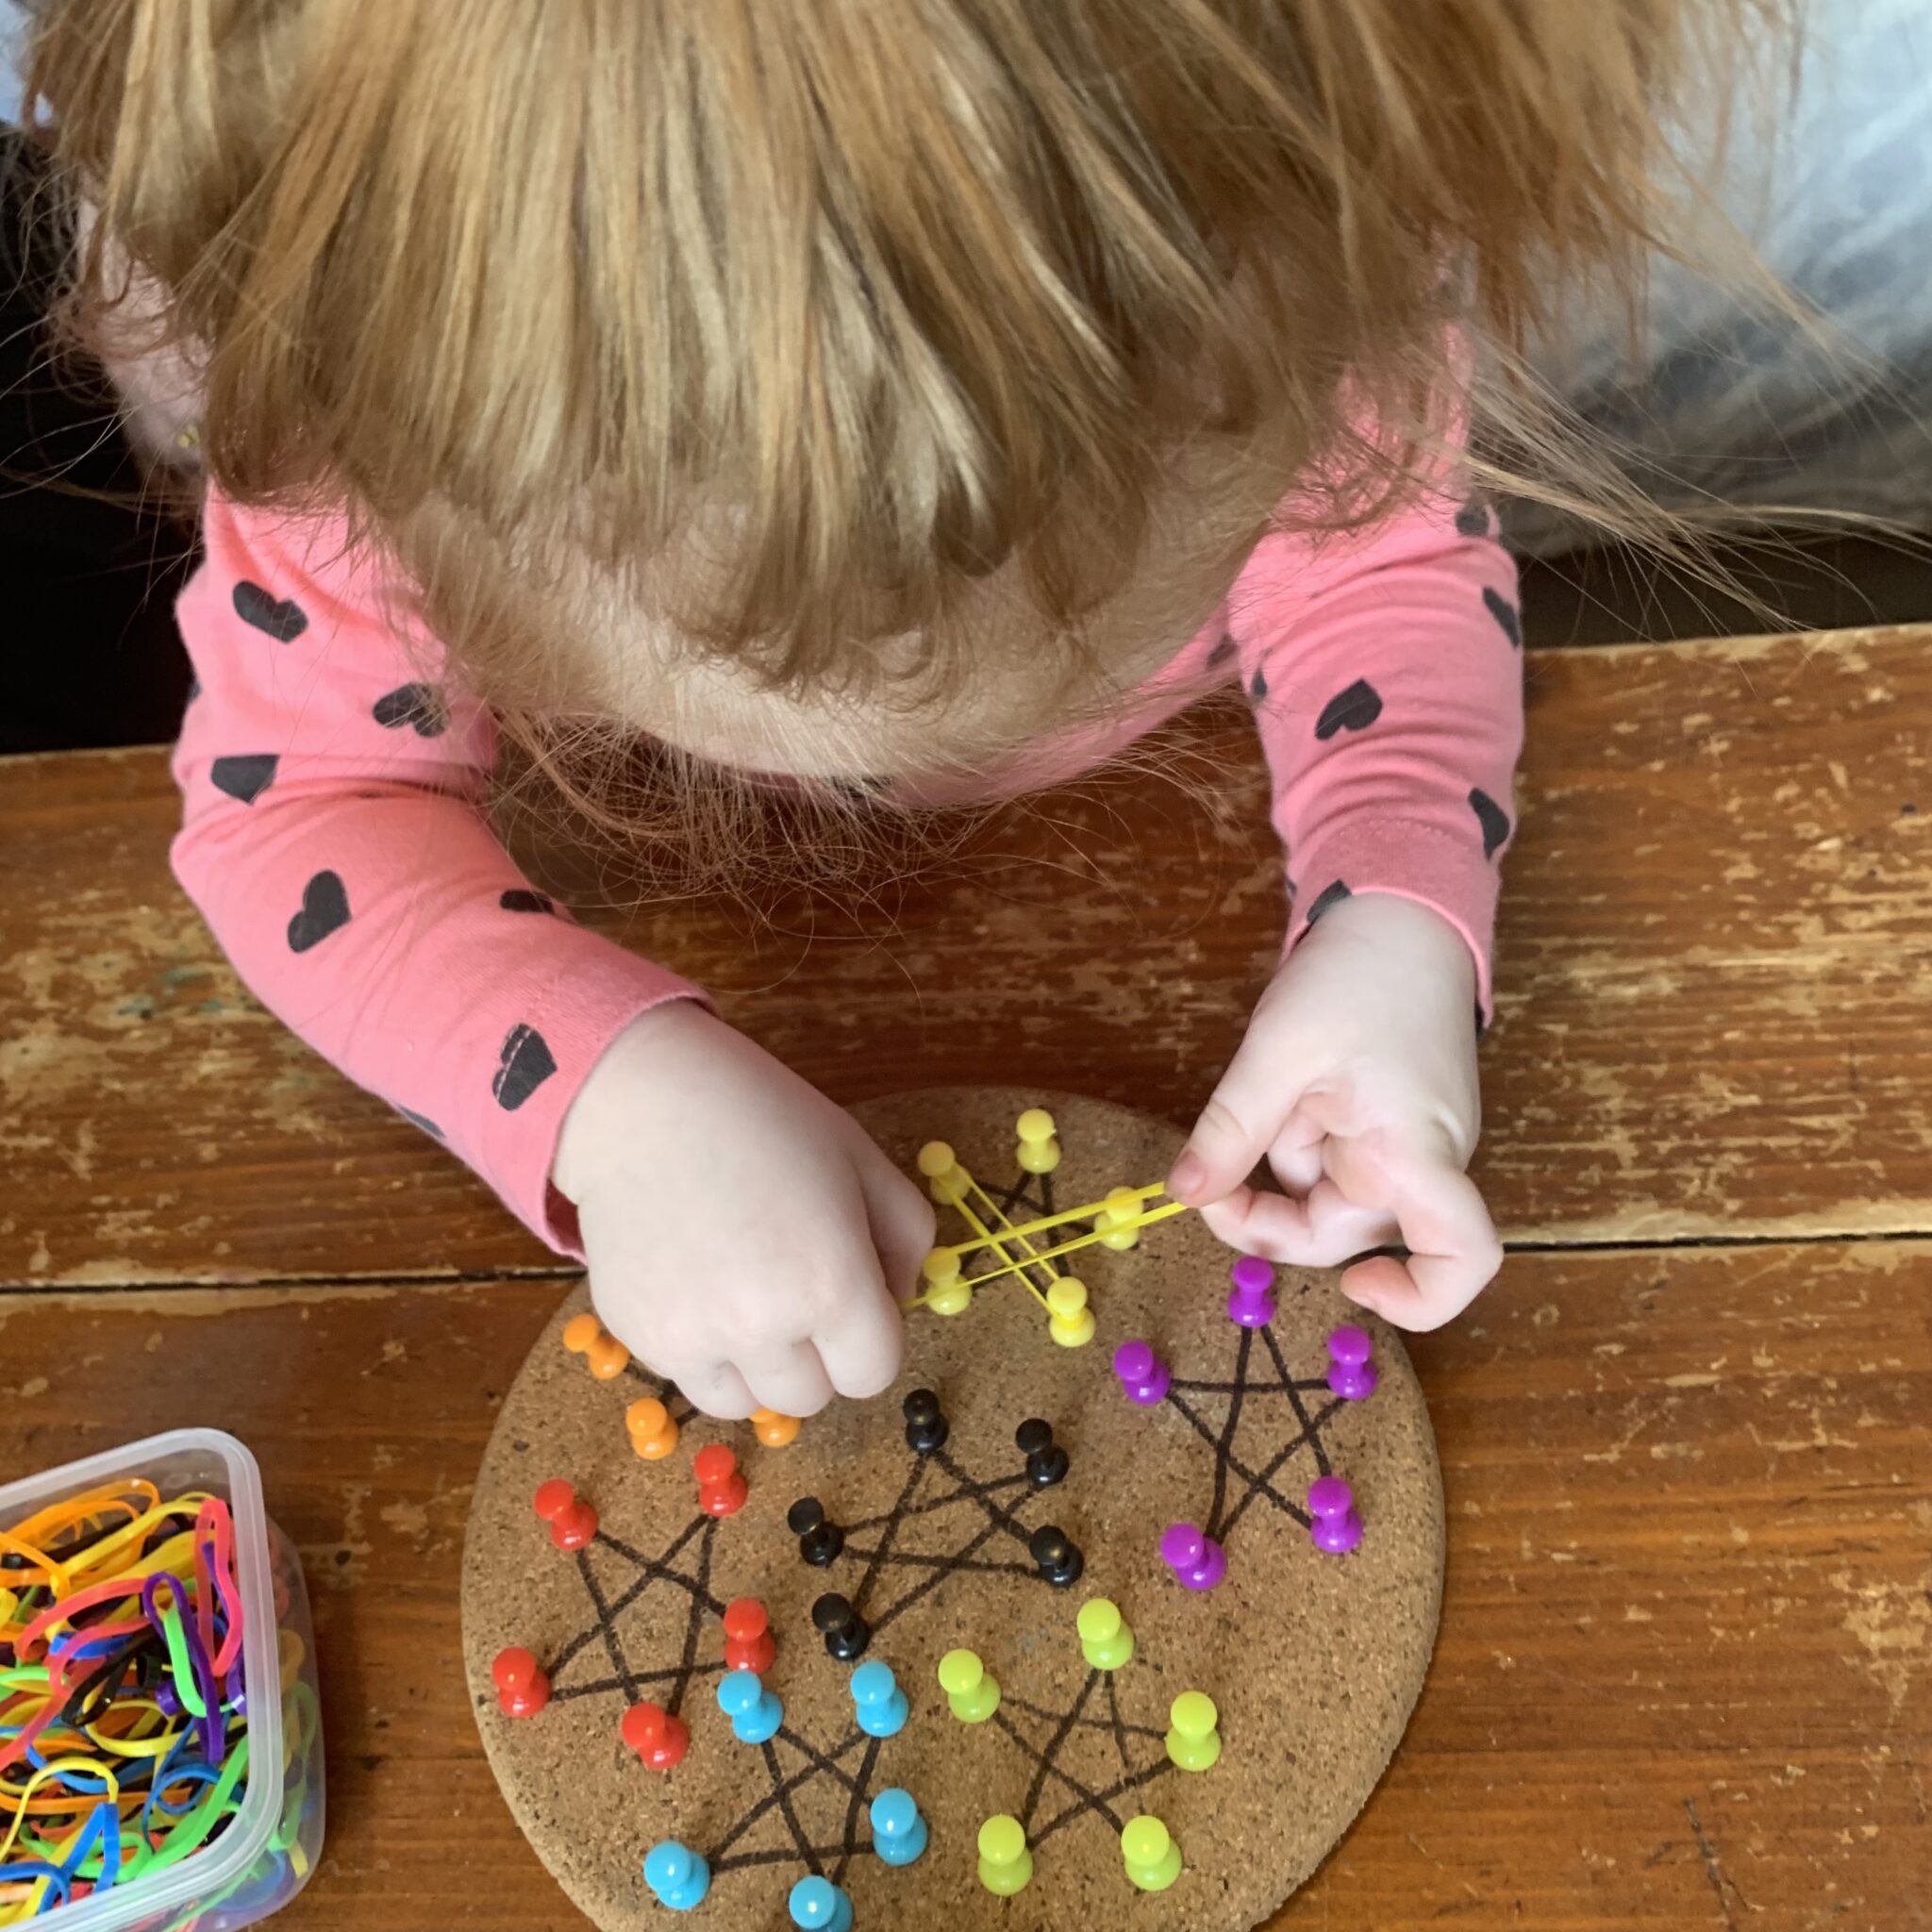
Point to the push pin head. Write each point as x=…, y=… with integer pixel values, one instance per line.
x=1046, y=1461
x=846, y=1633
x=1039, y=1150
x=573, y=1524
x=522, y=1689
x=926, y=1428
x=1059, y=1561
x=818, y=1540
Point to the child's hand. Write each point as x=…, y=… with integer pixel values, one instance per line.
x=744, y=1237
x=1357, y=1080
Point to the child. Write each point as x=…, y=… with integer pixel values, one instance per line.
x=921, y=397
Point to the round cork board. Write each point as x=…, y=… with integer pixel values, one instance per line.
x=1315, y=1661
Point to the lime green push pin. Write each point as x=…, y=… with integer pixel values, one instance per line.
x=970, y=1687
x=1193, y=1743
x=1006, y=1866
x=1153, y=1859
x=1105, y=1640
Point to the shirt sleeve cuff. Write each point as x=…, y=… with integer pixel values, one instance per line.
x=1407, y=860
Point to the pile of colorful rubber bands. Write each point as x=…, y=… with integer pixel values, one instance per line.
x=123, y=1711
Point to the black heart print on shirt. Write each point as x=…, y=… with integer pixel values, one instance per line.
x=417, y=705
x=1354, y=710
x=522, y=1066
x=245, y=776
x=1491, y=818
x=282, y=618
x=325, y=909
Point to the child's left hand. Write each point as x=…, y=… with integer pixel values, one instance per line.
x=1358, y=1081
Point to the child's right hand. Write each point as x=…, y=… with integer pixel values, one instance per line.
x=745, y=1237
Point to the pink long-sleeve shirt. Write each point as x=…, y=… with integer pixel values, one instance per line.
x=335, y=843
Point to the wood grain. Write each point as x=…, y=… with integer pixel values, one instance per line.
x=1685, y=1675
x=1717, y=968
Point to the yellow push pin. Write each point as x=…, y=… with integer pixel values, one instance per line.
x=1069, y=1320
x=945, y=1179
x=653, y=1434
x=774, y=1430
x=947, y=1291
x=1193, y=1738
x=1038, y=1151
x=1114, y=1223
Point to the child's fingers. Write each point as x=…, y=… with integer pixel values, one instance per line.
x=1452, y=1250
x=902, y=1222
x=716, y=1388
x=791, y=1379
x=1320, y=1231
x=1237, y=1126
x=862, y=1350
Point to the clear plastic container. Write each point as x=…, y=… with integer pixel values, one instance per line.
x=264, y=1856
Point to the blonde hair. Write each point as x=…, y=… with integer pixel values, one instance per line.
x=852, y=301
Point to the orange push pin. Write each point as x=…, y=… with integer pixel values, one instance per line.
x=522, y=1689
x=573, y=1524
x=606, y=1356
x=659, y=1739
x=749, y=1644
x=580, y=1333
x=774, y=1430
x=721, y=1490
x=653, y=1434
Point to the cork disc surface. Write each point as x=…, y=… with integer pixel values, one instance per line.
x=1314, y=1660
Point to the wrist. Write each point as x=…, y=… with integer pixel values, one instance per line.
x=1392, y=928
x=592, y=1137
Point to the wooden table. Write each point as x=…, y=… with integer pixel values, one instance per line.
x=1685, y=1675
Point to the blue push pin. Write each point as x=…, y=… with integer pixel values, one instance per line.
x=882, y=1707
x=678, y=1875
x=817, y=1902
x=898, y=1832
x=754, y=1712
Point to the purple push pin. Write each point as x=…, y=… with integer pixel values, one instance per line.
x=1197, y=1560
x=1352, y=1375
x=1336, y=1528
x=1251, y=1302
x=1142, y=1374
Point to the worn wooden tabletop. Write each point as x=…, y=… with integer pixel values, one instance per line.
x=1685, y=1675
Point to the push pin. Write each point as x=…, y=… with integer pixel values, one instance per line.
x=1058, y=1559
x=522, y=1689
x=678, y=1876
x=926, y=1428
x=846, y=1633
x=749, y=1644
x=605, y=1356
x=658, y=1738
x=898, y=1832
x=721, y=1490
x=653, y=1434
x=756, y=1713
x=945, y=1179
x=1115, y=1222
x=1038, y=1151
x=972, y=1693
x=1106, y=1642
x=1251, y=1301
x=573, y=1524
x=1196, y=1561
x=1046, y=1461
x=817, y=1905
x=1351, y=1375
x=947, y=1291
x=1006, y=1866
x=882, y=1708
x=1193, y=1737
x=1336, y=1528
x=1069, y=1320
x=818, y=1540
x=774, y=1430
x=1143, y=1376
x=1148, y=1850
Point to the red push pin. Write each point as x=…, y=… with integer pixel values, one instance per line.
x=659, y=1739
x=572, y=1524
x=522, y=1689
x=721, y=1489
x=748, y=1641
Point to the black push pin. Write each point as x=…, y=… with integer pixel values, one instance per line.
x=1060, y=1562
x=1046, y=1461
x=926, y=1429
x=819, y=1541
x=846, y=1633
